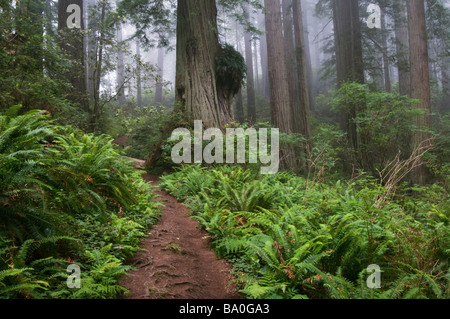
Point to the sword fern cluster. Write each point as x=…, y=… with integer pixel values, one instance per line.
x=288, y=238
x=65, y=195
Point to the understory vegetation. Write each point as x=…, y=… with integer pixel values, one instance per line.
x=364, y=124
x=315, y=234
x=66, y=198
x=290, y=237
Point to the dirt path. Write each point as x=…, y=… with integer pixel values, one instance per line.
x=177, y=262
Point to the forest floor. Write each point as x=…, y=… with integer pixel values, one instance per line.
x=176, y=261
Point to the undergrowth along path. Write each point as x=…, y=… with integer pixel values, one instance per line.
x=176, y=261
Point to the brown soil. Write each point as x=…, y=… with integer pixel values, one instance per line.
x=176, y=261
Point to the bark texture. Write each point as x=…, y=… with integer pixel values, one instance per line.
x=347, y=34
x=279, y=91
x=420, y=80
x=251, y=98
x=303, y=107
x=291, y=65
x=197, y=49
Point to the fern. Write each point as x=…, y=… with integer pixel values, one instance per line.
x=31, y=245
x=62, y=190
x=316, y=241
x=229, y=246
x=21, y=284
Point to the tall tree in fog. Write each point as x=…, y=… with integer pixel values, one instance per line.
x=240, y=117
x=307, y=49
x=71, y=41
x=251, y=97
x=265, y=87
x=98, y=64
x=385, y=49
x=291, y=63
x=349, y=58
x=402, y=46
x=279, y=90
x=347, y=28
x=420, y=79
x=302, y=72
x=91, y=47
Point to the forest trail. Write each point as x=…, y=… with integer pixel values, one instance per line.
x=176, y=261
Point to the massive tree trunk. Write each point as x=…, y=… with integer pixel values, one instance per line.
x=307, y=49
x=279, y=91
x=240, y=117
x=420, y=80
x=251, y=98
x=348, y=41
x=402, y=47
x=71, y=42
x=201, y=92
x=349, y=61
x=197, y=88
x=291, y=65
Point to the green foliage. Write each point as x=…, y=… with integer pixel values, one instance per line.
x=290, y=238
x=31, y=63
x=101, y=280
x=384, y=124
x=66, y=197
x=230, y=69
x=142, y=126
x=23, y=284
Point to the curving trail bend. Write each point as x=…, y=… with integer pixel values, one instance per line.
x=176, y=261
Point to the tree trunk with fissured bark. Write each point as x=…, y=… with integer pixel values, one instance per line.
x=420, y=81
x=197, y=90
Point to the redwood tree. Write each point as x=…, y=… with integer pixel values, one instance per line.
x=302, y=71
x=200, y=90
x=279, y=91
x=251, y=97
x=72, y=44
x=420, y=80
x=349, y=62
x=291, y=63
